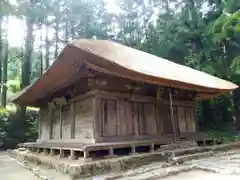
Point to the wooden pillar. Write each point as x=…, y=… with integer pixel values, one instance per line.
x=111, y=152
x=50, y=123
x=52, y=153
x=40, y=128
x=73, y=120
x=61, y=153
x=133, y=149
x=85, y=153
x=158, y=108
x=72, y=155
x=152, y=147
x=195, y=117
x=96, y=118
x=61, y=123
x=50, y=116
x=45, y=151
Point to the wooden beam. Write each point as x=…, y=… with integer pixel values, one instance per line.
x=50, y=116
x=61, y=123
x=40, y=128
x=96, y=118
x=82, y=96
x=139, y=98
x=131, y=97
x=73, y=121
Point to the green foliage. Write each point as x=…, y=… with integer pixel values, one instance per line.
x=224, y=136
x=9, y=128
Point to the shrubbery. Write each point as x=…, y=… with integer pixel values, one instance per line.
x=14, y=130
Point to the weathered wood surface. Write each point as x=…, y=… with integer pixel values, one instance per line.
x=66, y=122
x=84, y=120
x=56, y=128
x=139, y=98
x=181, y=119
x=44, y=124
x=191, y=124
x=124, y=118
x=110, y=115
x=72, y=114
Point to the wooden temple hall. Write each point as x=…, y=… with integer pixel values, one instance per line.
x=101, y=97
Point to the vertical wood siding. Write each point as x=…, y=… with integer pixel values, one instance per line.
x=66, y=122
x=84, y=120
x=127, y=118
x=56, y=123
x=44, y=122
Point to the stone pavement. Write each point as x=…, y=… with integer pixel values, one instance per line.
x=201, y=175
x=222, y=163
x=219, y=166
x=10, y=169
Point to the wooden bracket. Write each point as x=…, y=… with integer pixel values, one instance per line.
x=159, y=93
x=60, y=101
x=51, y=105
x=101, y=82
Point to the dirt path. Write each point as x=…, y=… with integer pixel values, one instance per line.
x=10, y=169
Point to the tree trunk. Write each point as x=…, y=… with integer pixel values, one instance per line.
x=66, y=36
x=1, y=53
x=4, y=76
x=40, y=53
x=66, y=33
x=26, y=73
x=5, y=67
x=236, y=108
x=26, y=66
x=47, y=46
x=72, y=30
x=56, y=38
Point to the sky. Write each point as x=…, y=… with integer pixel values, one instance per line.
x=16, y=27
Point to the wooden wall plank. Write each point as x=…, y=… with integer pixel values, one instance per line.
x=175, y=119
x=135, y=118
x=182, y=125
x=111, y=118
x=56, y=123
x=190, y=120
x=141, y=119
x=44, y=124
x=150, y=118
x=128, y=118
x=84, y=120
x=159, y=118
x=121, y=112
x=66, y=122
